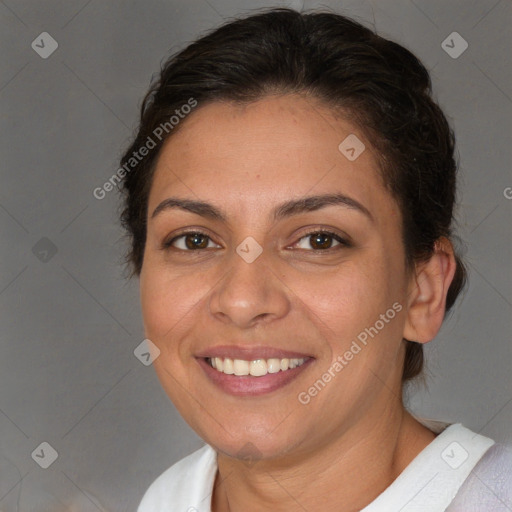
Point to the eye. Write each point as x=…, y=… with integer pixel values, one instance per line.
x=321, y=241
x=191, y=241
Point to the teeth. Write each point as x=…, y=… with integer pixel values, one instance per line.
x=241, y=367
x=228, y=366
x=273, y=365
x=256, y=367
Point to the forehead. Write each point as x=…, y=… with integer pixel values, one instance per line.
x=276, y=148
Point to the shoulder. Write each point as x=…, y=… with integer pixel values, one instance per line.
x=187, y=485
x=489, y=485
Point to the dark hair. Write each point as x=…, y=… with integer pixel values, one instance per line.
x=374, y=82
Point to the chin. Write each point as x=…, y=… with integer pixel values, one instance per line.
x=243, y=441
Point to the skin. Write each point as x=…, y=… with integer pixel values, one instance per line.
x=354, y=436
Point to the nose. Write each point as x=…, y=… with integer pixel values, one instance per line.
x=249, y=293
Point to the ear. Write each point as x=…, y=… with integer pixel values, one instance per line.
x=428, y=288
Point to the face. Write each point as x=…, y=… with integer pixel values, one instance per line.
x=267, y=243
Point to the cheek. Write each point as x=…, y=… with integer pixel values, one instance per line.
x=167, y=301
x=167, y=309
x=355, y=304
x=155, y=301
x=346, y=298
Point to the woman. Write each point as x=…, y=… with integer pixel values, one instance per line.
x=289, y=197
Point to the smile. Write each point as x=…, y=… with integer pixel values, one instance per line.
x=255, y=375
x=254, y=368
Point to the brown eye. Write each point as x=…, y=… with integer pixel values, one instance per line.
x=190, y=242
x=321, y=241
x=196, y=241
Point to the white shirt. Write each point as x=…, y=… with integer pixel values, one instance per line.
x=456, y=472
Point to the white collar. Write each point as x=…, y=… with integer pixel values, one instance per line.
x=433, y=478
x=428, y=484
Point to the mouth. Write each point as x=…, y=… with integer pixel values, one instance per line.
x=254, y=368
x=252, y=372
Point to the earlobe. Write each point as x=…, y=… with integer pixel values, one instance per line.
x=428, y=289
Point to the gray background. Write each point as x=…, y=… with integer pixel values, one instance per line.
x=70, y=321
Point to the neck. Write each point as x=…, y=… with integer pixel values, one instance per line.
x=348, y=473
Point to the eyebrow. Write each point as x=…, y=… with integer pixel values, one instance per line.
x=284, y=210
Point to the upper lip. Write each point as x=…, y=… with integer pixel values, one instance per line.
x=249, y=353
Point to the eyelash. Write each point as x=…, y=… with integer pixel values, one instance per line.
x=341, y=241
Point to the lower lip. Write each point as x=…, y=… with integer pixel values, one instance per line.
x=246, y=385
